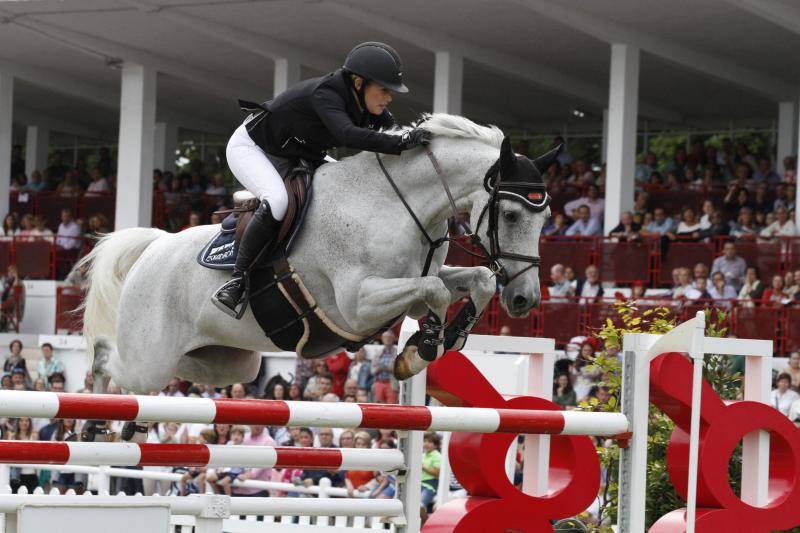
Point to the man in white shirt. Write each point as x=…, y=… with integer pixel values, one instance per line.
x=69, y=235
x=585, y=225
x=592, y=200
x=99, y=183
x=589, y=287
x=782, y=227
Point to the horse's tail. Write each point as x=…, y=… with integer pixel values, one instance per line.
x=106, y=266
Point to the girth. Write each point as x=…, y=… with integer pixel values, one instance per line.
x=290, y=316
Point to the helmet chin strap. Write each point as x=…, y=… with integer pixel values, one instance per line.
x=360, y=93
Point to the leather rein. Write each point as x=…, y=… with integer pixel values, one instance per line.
x=497, y=189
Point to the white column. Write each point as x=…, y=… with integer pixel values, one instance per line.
x=135, y=159
x=786, y=131
x=37, y=146
x=287, y=73
x=165, y=142
x=623, y=107
x=796, y=153
x=448, y=82
x=6, y=115
x=604, y=146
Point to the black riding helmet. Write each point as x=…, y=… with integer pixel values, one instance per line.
x=377, y=62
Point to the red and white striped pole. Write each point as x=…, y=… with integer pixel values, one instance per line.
x=311, y=414
x=130, y=454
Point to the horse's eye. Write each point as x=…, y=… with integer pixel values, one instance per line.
x=510, y=216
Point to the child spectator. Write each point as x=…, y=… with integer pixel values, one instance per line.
x=431, y=463
x=221, y=480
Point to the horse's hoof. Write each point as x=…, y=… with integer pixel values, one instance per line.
x=408, y=363
x=401, y=369
x=133, y=432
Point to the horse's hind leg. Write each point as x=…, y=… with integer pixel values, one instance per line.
x=103, y=351
x=381, y=300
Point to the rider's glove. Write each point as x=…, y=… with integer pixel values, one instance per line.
x=414, y=138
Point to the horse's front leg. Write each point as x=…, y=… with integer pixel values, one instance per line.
x=382, y=299
x=477, y=282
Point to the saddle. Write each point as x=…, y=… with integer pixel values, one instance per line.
x=220, y=252
x=281, y=304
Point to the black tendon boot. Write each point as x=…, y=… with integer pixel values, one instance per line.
x=260, y=233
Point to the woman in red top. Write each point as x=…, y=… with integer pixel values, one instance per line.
x=338, y=366
x=359, y=479
x=775, y=295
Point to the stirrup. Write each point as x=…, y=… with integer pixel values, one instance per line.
x=238, y=311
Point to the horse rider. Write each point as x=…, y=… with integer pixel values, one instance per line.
x=347, y=107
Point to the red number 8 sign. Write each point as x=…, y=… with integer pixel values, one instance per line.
x=478, y=461
x=722, y=428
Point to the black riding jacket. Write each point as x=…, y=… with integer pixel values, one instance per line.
x=318, y=114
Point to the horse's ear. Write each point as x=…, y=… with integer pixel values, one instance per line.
x=545, y=160
x=508, y=159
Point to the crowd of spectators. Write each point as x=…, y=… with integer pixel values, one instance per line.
x=754, y=203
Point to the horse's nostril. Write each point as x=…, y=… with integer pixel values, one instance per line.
x=519, y=301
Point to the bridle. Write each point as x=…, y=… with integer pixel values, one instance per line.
x=534, y=197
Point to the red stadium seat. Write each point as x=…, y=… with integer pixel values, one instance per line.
x=49, y=205
x=625, y=262
x=560, y=320
x=575, y=252
x=597, y=313
x=68, y=299
x=684, y=254
x=518, y=327
x=792, y=332
x=758, y=323
x=792, y=247
x=98, y=204
x=6, y=249
x=764, y=255
x=22, y=202
x=35, y=258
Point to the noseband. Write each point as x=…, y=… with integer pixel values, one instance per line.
x=532, y=196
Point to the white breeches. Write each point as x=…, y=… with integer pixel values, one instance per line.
x=251, y=166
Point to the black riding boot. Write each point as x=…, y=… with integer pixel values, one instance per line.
x=260, y=233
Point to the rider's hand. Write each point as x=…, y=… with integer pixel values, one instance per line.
x=414, y=138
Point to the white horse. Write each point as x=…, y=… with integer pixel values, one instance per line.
x=148, y=315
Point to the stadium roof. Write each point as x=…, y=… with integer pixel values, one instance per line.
x=528, y=63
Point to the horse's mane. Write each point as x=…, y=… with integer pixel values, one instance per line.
x=452, y=126
x=444, y=125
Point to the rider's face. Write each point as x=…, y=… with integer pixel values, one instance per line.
x=377, y=98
